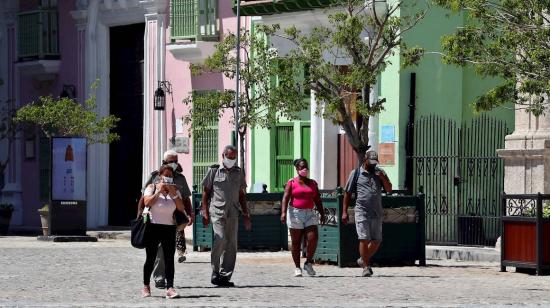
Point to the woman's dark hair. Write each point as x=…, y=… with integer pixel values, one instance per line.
x=164, y=167
x=297, y=161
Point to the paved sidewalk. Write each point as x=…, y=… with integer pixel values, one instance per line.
x=108, y=274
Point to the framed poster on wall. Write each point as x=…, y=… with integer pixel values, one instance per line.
x=68, y=169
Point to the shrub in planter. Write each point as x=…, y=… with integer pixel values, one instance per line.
x=6, y=210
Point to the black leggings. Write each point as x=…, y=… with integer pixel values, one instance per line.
x=165, y=235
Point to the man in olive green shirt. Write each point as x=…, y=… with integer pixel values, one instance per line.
x=223, y=192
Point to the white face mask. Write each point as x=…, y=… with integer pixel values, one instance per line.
x=168, y=180
x=174, y=166
x=229, y=163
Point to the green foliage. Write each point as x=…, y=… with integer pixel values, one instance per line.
x=344, y=66
x=270, y=88
x=65, y=117
x=509, y=39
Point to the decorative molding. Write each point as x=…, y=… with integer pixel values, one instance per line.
x=195, y=52
x=42, y=70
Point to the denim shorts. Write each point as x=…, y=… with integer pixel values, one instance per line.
x=301, y=218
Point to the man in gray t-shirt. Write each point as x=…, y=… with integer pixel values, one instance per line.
x=366, y=183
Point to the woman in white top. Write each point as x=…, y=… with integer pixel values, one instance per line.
x=161, y=200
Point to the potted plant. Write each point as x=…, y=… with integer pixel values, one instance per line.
x=45, y=219
x=6, y=210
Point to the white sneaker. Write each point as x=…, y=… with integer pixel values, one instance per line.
x=308, y=267
x=298, y=272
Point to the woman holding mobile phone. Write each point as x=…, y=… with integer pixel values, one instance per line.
x=161, y=199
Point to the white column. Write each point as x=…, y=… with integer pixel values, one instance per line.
x=154, y=71
x=527, y=155
x=316, y=157
x=329, y=155
x=161, y=53
x=96, y=59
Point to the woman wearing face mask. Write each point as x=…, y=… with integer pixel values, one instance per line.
x=161, y=200
x=303, y=195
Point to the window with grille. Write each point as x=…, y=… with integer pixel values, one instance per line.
x=205, y=150
x=194, y=20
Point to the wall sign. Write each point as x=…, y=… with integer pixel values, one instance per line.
x=387, y=134
x=181, y=145
x=386, y=154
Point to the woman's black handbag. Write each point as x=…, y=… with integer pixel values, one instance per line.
x=139, y=231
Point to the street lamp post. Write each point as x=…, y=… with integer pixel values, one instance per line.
x=237, y=75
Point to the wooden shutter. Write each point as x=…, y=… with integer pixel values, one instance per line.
x=284, y=155
x=205, y=150
x=183, y=19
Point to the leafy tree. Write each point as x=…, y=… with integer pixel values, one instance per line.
x=65, y=117
x=509, y=39
x=270, y=88
x=344, y=66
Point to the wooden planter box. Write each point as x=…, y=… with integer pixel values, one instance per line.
x=403, y=242
x=268, y=233
x=525, y=239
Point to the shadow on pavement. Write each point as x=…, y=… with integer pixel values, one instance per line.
x=187, y=296
x=238, y=287
x=267, y=286
x=407, y=276
x=382, y=276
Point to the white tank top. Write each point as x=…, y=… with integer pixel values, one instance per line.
x=162, y=210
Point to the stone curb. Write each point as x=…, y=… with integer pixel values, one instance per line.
x=462, y=253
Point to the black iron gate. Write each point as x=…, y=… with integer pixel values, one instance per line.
x=462, y=177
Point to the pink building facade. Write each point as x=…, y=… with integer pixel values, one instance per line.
x=129, y=48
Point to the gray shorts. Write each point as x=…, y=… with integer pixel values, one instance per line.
x=368, y=228
x=301, y=218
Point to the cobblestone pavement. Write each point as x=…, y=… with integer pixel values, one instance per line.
x=108, y=274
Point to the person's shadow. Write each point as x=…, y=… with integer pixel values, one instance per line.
x=239, y=287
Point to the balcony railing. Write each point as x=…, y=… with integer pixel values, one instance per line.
x=195, y=20
x=38, y=35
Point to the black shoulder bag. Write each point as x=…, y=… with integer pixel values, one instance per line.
x=138, y=237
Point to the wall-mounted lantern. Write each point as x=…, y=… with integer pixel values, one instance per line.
x=68, y=91
x=159, y=101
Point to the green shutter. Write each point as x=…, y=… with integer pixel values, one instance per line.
x=284, y=155
x=45, y=169
x=205, y=150
x=305, y=141
x=38, y=34
x=194, y=20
